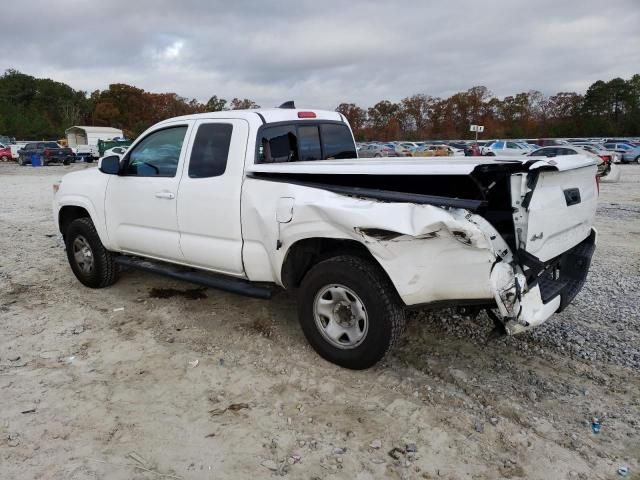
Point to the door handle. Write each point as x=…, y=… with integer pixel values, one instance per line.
x=167, y=195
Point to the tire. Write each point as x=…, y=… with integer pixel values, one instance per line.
x=89, y=160
x=103, y=271
x=637, y=159
x=490, y=154
x=351, y=279
x=66, y=161
x=4, y=158
x=21, y=161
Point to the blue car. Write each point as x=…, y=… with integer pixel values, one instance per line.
x=628, y=151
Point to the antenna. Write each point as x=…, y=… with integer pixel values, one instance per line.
x=288, y=104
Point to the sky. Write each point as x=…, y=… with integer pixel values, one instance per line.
x=323, y=52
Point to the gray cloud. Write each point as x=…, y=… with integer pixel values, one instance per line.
x=323, y=53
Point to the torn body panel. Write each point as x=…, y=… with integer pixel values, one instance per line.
x=432, y=253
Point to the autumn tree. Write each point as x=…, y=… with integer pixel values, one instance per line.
x=216, y=104
x=243, y=104
x=356, y=116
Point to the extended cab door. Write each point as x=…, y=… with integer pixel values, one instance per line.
x=209, y=196
x=140, y=203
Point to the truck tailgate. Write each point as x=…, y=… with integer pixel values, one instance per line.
x=554, y=209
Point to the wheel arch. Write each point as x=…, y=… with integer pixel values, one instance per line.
x=69, y=213
x=305, y=253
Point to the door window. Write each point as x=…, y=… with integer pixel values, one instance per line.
x=210, y=150
x=157, y=155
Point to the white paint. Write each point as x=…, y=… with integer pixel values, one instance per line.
x=244, y=226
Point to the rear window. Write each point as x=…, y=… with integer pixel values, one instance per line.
x=210, y=150
x=337, y=141
x=305, y=142
x=50, y=145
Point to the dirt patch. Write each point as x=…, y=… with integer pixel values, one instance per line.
x=121, y=384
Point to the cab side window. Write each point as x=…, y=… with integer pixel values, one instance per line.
x=210, y=150
x=158, y=154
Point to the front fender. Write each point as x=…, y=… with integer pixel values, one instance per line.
x=95, y=213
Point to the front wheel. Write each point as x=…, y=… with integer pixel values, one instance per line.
x=21, y=161
x=91, y=263
x=349, y=311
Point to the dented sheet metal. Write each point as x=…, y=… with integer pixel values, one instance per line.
x=431, y=252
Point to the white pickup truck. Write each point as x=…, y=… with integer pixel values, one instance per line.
x=251, y=200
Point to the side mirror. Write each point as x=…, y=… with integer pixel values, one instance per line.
x=110, y=165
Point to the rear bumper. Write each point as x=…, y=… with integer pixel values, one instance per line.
x=556, y=284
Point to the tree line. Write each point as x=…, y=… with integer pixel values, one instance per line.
x=35, y=108
x=41, y=108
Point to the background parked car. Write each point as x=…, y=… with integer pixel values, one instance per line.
x=604, y=168
x=506, y=148
x=628, y=151
x=377, y=150
x=405, y=149
x=5, y=153
x=120, y=151
x=434, y=151
x=597, y=149
x=48, y=151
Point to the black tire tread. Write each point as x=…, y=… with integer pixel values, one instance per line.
x=105, y=260
x=382, y=287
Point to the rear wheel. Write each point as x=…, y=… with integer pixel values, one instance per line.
x=21, y=161
x=349, y=311
x=90, y=261
x=5, y=158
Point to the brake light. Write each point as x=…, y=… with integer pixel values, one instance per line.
x=306, y=115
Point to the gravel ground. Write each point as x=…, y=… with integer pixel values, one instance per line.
x=105, y=384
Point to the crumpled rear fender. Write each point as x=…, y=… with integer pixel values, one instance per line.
x=429, y=253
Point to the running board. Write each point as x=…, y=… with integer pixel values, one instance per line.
x=211, y=280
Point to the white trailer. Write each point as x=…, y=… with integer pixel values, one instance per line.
x=83, y=140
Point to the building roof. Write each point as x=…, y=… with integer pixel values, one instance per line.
x=90, y=129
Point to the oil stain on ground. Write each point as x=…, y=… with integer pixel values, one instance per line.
x=189, y=294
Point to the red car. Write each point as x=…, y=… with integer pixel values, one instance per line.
x=5, y=154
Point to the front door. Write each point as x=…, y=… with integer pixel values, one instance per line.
x=209, y=196
x=140, y=205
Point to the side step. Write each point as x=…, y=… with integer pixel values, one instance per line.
x=211, y=280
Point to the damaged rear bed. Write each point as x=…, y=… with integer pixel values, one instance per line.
x=515, y=234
